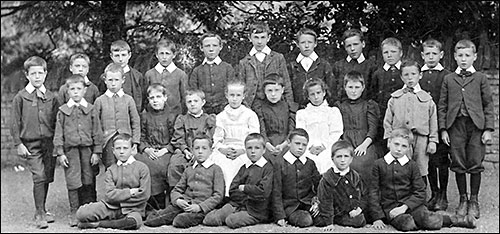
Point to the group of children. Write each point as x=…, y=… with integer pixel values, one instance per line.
x=264, y=142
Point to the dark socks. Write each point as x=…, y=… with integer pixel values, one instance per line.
x=444, y=173
x=126, y=223
x=475, y=182
x=74, y=202
x=45, y=196
x=433, y=178
x=39, y=196
x=461, y=183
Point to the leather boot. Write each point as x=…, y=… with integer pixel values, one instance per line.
x=431, y=204
x=473, y=206
x=467, y=221
x=462, y=206
x=442, y=203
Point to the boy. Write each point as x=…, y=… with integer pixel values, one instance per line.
x=341, y=192
x=200, y=190
x=260, y=62
x=169, y=75
x=78, y=143
x=127, y=189
x=117, y=112
x=466, y=120
x=296, y=184
x=397, y=192
x=250, y=191
x=79, y=64
x=212, y=74
x=432, y=78
x=307, y=65
x=34, y=111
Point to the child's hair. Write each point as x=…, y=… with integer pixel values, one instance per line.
x=352, y=33
x=313, y=82
x=431, y=43
x=392, y=41
x=202, y=136
x=35, y=61
x=157, y=87
x=463, y=44
x=119, y=45
x=166, y=43
x=403, y=133
x=114, y=68
x=305, y=31
x=298, y=132
x=342, y=144
x=123, y=137
x=259, y=27
x=272, y=78
x=354, y=76
x=198, y=92
x=410, y=63
x=256, y=136
x=236, y=82
x=76, y=78
x=210, y=34
x=78, y=56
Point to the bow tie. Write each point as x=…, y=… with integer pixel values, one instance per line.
x=40, y=94
x=408, y=89
x=465, y=73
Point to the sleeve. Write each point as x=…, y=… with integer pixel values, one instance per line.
x=219, y=133
x=277, y=199
x=113, y=194
x=373, y=117
x=241, y=71
x=300, y=121
x=488, y=105
x=211, y=125
x=316, y=177
x=179, y=136
x=230, y=73
x=144, y=133
x=15, y=126
x=326, y=210
x=336, y=127
x=135, y=122
x=288, y=93
x=144, y=192
x=373, y=88
x=263, y=189
x=144, y=89
x=253, y=123
x=97, y=135
x=218, y=191
x=292, y=113
x=330, y=80
x=182, y=90
x=235, y=195
x=388, y=118
x=58, y=135
x=61, y=94
x=433, y=123
x=443, y=104
x=374, y=194
x=262, y=123
x=180, y=188
x=417, y=197
x=193, y=78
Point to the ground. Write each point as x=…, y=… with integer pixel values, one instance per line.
x=18, y=209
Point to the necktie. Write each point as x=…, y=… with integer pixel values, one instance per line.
x=393, y=68
x=40, y=94
x=260, y=56
x=465, y=73
x=306, y=63
x=408, y=89
x=164, y=71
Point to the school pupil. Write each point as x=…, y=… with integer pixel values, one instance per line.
x=78, y=145
x=169, y=75
x=322, y=122
x=199, y=191
x=307, y=65
x=212, y=74
x=466, y=121
x=79, y=65
x=433, y=74
x=127, y=188
x=33, y=121
x=260, y=62
x=117, y=112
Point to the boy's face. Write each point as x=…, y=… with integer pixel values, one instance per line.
x=36, y=76
x=165, y=56
x=410, y=76
x=354, y=46
x=255, y=149
x=342, y=159
x=79, y=67
x=298, y=145
x=122, y=150
x=201, y=150
x=391, y=54
x=121, y=57
x=76, y=91
x=194, y=104
x=114, y=81
x=354, y=89
x=465, y=57
x=306, y=44
x=157, y=99
x=259, y=40
x=273, y=92
x=398, y=146
x=316, y=94
x=234, y=95
x=431, y=56
x=211, y=46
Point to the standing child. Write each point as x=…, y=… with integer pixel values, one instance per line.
x=213, y=73
x=397, y=192
x=34, y=111
x=169, y=75
x=466, y=121
x=78, y=144
x=307, y=65
x=127, y=189
x=199, y=191
x=79, y=65
x=322, y=122
x=432, y=79
x=117, y=112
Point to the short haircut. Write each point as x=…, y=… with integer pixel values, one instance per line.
x=313, y=82
x=354, y=76
x=352, y=33
x=236, y=82
x=305, y=31
x=78, y=56
x=342, y=144
x=198, y=92
x=202, y=136
x=114, y=68
x=157, y=87
x=431, y=43
x=166, y=43
x=392, y=41
x=410, y=63
x=34, y=61
x=273, y=78
x=210, y=34
x=403, y=133
x=119, y=45
x=463, y=44
x=255, y=136
x=123, y=137
x=75, y=78
x=259, y=27
x=298, y=132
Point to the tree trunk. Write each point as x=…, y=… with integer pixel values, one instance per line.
x=113, y=23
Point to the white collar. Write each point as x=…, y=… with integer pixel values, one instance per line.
x=216, y=60
x=205, y=164
x=342, y=173
x=313, y=56
x=86, y=79
x=110, y=94
x=126, y=69
x=416, y=89
x=129, y=161
x=291, y=159
x=389, y=159
x=170, y=68
x=397, y=65
x=323, y=104
x=360, y=59
x=470, y=69
x=196, y=116
x=266, y=51
x=30, y=88
x=159, y=68
x=261, y=162
x=438, y=67
x=72, y=103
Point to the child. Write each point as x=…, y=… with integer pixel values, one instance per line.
x=117, y=112
x=260, y=62
x=186, y=126
x=354, y=43
x=199, y=191
x=78, y=143
x=341, y=192
x=79, y=64
x=127, y=189
x=233, y=124
x=169, y=75
x=250, y=191
x=276, y=117
x=34, y=111
x=322, y=122
x=307, y=65
x=213, y=73
x=466, y=120
x=413, y=108
x=432, y=78
x=296, y=184
x=157, y=123
x=397, y=192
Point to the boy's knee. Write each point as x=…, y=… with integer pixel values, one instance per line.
x=182, y=221
x=212, y=219
x=138, y=219
x=232, y=222
x=301, y=218
x=83, y=213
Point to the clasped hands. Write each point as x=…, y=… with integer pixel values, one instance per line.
x=231, y=152
x=187, y=206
